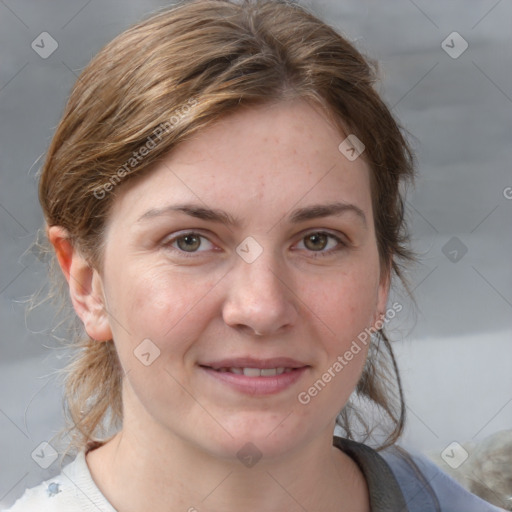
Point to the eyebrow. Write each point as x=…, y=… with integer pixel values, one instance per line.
x=296, y=216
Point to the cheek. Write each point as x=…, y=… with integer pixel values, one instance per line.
x=345, y=301
x=152, y=302
x=343, y=307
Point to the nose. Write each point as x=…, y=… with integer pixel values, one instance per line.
x=260, y=298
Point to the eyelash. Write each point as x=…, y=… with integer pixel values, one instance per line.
x=315, y=254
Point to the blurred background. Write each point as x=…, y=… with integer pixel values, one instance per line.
x=446, y=74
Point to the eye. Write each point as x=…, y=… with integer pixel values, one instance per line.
x=190, y=242
x=319, y=241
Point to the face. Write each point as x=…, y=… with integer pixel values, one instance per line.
x=252, y=245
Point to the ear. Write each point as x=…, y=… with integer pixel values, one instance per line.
x=85, y=285
x=382, y=298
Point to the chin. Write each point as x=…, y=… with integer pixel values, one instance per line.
x=266, y=435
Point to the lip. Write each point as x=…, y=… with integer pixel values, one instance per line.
x=251, y=362
x=255, y=386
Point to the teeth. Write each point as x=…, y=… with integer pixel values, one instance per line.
x=257, y=372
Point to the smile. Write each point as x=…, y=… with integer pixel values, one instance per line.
x=256, y=372
x=254, y=381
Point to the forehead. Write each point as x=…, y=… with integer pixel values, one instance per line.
x=267, y=158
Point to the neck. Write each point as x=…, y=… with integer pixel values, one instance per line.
x=147, y=466
x=135, y=474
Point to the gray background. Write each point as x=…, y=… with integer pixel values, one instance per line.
x=455, y=352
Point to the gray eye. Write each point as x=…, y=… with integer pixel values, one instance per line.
x=316, y=241
x=189, y=243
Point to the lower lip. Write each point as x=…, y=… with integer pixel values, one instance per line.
x=257, y=385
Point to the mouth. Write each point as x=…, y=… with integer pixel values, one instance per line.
x=255, y=372
x=256, y=377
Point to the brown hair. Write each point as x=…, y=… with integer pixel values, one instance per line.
x=174, y=74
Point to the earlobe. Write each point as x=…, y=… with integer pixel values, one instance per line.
x=85, y=285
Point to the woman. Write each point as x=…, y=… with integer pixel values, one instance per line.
x=223, y=195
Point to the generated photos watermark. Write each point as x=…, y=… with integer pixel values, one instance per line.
x=363, y=338
x=151, y=143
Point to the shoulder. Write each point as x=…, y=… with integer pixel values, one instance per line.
x=72, y=490
x=426, y=487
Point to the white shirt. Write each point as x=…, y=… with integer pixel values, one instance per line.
x=73, y=490
x=394, y=477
